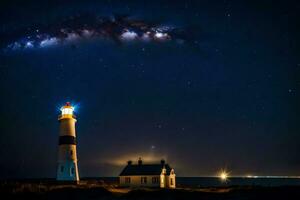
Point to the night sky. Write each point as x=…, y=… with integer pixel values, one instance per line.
x=214, y=85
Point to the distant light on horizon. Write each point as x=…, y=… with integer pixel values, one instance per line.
x=224, y=175
x=251, y=176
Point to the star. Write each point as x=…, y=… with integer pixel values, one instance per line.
x=290, y=90
x=159, y=126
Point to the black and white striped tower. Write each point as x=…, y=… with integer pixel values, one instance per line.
x=67, y=169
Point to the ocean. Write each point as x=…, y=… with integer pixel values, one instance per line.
x=236, y=181
x=195, y=182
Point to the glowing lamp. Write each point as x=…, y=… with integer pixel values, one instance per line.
x=67, y=111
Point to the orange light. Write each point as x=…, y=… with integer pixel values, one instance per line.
x=223, y=175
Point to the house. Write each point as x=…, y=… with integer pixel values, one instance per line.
x=148, y=175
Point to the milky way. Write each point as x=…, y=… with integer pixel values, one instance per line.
x=120, y=29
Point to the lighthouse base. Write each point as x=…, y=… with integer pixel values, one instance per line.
x=67, y=171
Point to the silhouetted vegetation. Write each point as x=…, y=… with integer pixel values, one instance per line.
x=101, y=190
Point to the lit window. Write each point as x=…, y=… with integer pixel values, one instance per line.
x=171, y=181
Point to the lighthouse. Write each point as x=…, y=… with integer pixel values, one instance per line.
x=67, y=169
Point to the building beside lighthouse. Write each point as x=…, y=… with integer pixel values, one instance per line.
x=67, y=169
x=148, y=175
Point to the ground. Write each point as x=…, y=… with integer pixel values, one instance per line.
x=101, y=190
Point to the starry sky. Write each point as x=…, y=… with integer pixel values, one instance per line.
x=204, y=84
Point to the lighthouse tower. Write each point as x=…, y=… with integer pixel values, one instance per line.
x=67, y=169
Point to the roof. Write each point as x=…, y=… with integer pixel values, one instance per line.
x=144, y=169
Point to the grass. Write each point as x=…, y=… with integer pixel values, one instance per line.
x=93, y=189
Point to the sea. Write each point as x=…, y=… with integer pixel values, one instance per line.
x=194, y=182
x=236, y=181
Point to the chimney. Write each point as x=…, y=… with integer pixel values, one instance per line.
x=129, y=162
x=162, y=162
x=140, y=162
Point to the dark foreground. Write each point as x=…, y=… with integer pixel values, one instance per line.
x=98, y=190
